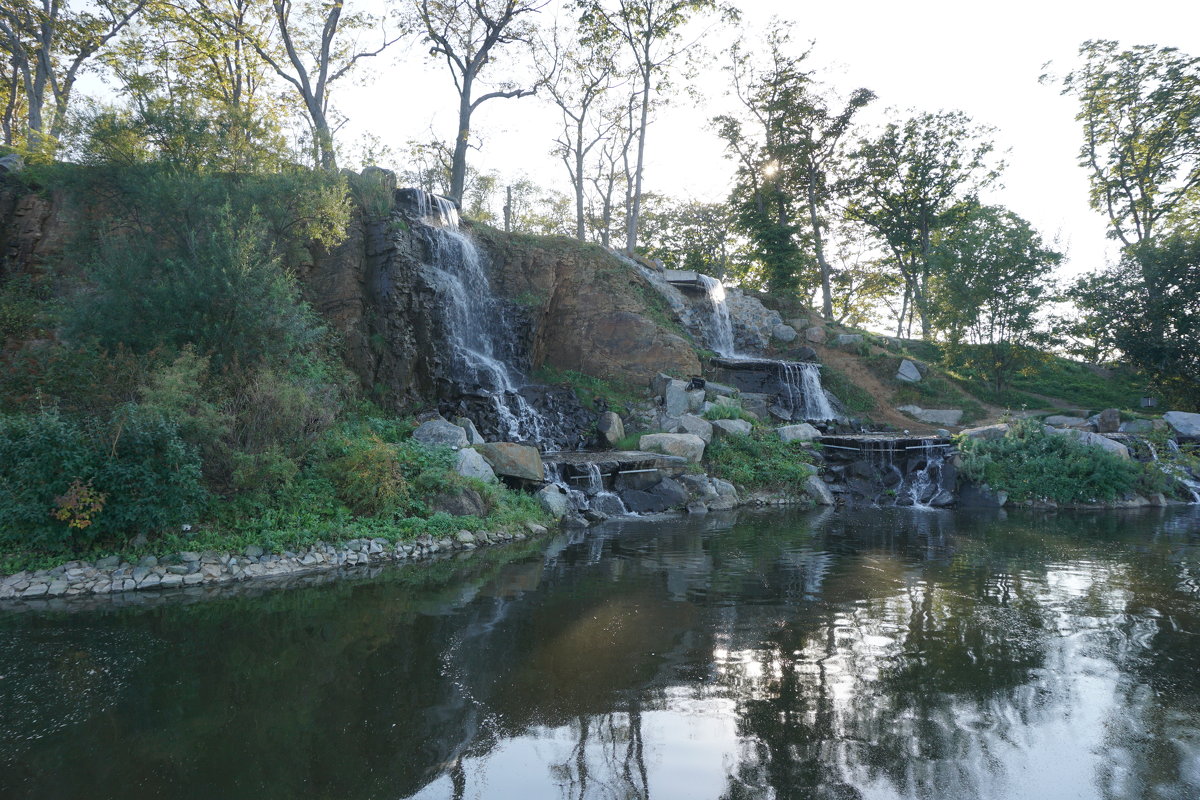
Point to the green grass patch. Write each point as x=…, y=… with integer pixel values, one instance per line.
x=760, y=461
x=592, y=392
x=856, y=399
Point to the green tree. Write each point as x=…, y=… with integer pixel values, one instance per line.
x=650, y=31
x=1150, y=304
x=913, y=179
x=990, y=276
x=691, y=235
x=48, y=45
x=1140, y=111
x=469, y=35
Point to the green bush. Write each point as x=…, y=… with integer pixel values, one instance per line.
x=1030, y=464
x=759, y=461
x=369, y=478
x=133, y=465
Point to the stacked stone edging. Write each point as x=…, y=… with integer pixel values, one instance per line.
x=112, y=575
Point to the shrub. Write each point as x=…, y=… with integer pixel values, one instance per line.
x=759, y=461
x=1030, y=464
x=368, y=478
x=126, y=475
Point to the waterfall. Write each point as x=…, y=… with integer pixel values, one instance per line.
x=591, y=496
x=1177, y=471
x=925, y=481
x=473, y=319
x=804, y=395
x=720, y=325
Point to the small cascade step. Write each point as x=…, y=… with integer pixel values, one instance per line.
x=892, y=470
x=795, y=386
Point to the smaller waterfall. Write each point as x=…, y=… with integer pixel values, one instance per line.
x=720, y=325
x=586, y=492
x=925, y=482
x=1177, y=471
x=804, y=395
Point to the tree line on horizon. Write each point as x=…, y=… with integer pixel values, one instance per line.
x=865, y=223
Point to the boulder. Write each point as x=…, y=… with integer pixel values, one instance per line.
x=554, y=501
x=695, y=400
x=976, y=496
x=1108, y=421
x=731, y=427
x=1142, y=426
x=461, y=502
x=784, y=333
x=12, y=163
x=933, y=416
x=818, y=491
x=986, y=432
x=666, y=494
x=698, y=426
x=1063, y=421
x=471, y=464
x=847, y=339
x=676, y=401
x=815, y=334
x=725, y=488
x=798, y=433
x=1185, y=425
x=1094, y=439
x=610, y=428
x=908, y=372
x=757, y=405
x=699, y=486
x=607, y=504
x=439, y=432
x=717, y=391
x=685, y=445
x=659, y=383
x=513, y=460
x=473, y=435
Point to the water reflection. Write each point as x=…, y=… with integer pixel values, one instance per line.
x=874, y=654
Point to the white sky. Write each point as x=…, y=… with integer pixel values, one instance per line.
x=980, y=58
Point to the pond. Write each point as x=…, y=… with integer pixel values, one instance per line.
x=833, y=654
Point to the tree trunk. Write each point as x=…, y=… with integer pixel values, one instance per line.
x=580, y=227
x=458, y=167
x=636, y=209
x=819, y=248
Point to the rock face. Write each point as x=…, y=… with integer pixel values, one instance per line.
x=684, y=445
x=586, y=308
x=513, y=460
x=1184, y=424
x=934, y=416
x=439, y=432
x=908, y=372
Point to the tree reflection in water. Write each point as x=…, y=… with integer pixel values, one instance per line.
x=874, y=654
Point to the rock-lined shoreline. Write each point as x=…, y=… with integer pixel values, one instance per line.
x=113, y=575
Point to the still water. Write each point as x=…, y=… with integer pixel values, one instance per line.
x=868, y=654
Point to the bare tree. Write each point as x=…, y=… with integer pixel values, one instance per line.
x=466, y=33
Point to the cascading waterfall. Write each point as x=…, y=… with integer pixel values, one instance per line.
x=470, y=311
x=720, y=333
x=924, y=485
x=803, y=391
x=1176, y=471
x=588, y=493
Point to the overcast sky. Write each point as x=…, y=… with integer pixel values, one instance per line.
x=929, y=55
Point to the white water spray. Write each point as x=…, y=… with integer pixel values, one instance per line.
x=720, y=333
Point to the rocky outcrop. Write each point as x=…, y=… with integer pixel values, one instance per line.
x=589, y=311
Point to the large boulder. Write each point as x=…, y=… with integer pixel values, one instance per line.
x=441, y=433
x=818, y=491
x=473, y=435
x=976, y=496
x=698, y=426
x=610, y=428
x=784, y=333
x=1064, y=421
x=908, y=372
x=684, y=445
x=934, y=416
x=11, y=164
x=676, y=400
x=470, y=464
x=554, y=501
x=461, y=502
x=1185, y=425
x=716, y=391
x=513, y=460
x=1108, y=421
x=730, y=427
x=798, y=433
x=663, y=496
x=1093, y=439
x=986, y=433
x=815, y=334
x=847, y=339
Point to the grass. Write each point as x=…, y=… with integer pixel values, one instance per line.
x=590, y=389
x=759, y=461
x=856, y=399
x=932, y=391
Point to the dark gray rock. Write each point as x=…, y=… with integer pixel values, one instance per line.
x=439, y=432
